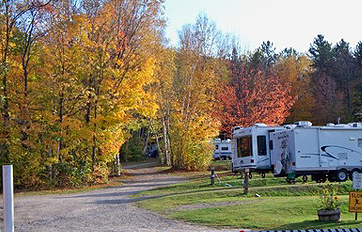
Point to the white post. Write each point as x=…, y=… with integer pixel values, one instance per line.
x=8, y=193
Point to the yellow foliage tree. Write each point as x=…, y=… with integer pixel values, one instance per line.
x=70, y=90
x=193, y=96
x=296, y=69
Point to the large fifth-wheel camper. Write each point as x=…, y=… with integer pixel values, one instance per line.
x=331, y=152
x=250, y=148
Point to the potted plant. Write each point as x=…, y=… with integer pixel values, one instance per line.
x=329, y=210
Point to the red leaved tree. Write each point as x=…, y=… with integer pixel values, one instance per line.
x=252, y=96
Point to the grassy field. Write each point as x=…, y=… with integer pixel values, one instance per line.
x=281, y=206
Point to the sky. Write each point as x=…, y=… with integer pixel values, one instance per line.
x=286, y=23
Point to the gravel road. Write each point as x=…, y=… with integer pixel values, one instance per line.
x=109, y=209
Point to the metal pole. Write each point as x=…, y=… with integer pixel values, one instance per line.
x=8, y=193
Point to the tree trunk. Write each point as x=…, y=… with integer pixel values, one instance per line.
x=94, y=147
x=157, y=143
x=5, y=108
x=146, y=144
x=169, y=141
x=60, y=115
x=26, y=53
x=166, y=142
x=349, y=95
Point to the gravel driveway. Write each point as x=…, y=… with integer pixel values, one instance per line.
x=109, y=209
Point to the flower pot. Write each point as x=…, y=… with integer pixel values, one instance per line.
x=329, y=215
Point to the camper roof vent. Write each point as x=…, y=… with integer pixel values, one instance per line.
x=289, y=126
x=260, y=125
x=303, y=124
x=355, y=124
x=236, y=128
x=330, y=124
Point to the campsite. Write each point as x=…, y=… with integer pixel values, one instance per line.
x=170, y=115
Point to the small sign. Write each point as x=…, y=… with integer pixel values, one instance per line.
x=357, y=180
x=355, y=202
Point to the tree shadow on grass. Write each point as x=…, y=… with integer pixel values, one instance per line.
x=315, y=224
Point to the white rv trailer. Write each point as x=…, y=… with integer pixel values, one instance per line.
x=250, y=148
x=332, y=151
x=222, y=149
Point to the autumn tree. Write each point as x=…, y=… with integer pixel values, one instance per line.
x=196, y=76
x=105, y=57
x=163, y=88
x=74, y=77
x=21, y=26
x=296, y=69
x=251, y=95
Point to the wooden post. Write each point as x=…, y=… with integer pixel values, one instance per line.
x=212, y=176
x=246, y=180
x=355, y=216
x=227, y=162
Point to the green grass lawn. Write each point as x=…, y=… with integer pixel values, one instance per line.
x=281, y=206
x=269, y=213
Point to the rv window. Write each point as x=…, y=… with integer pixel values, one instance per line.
x=244, y=146
x=360, y=142
x=216, y=147
x=224, y=148
x=261, y=145
x=271, y=144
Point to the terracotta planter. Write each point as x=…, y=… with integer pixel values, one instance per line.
x=329, y=215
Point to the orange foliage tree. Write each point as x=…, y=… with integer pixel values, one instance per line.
x=252, y=96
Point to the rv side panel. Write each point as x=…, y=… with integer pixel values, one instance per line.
x=306, y=152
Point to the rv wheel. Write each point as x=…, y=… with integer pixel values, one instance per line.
x=250, y=175
x=342, y=175
x=263, y=175
x=353, y=172
x=305, y=178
